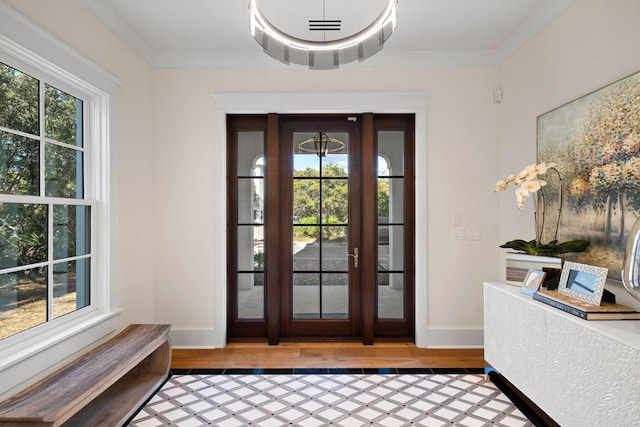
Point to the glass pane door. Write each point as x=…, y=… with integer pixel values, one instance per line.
x=391, y=227
x=250, y=240
x=320, y=286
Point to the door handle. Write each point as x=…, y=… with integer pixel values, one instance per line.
x=355, y=257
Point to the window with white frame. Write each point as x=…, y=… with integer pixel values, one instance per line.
x=46, y=228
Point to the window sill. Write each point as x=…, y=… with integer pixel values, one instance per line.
x=31, y=360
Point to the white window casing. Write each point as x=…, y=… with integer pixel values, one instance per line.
x=29, y=355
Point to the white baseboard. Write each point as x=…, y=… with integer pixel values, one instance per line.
x=197, y=338
x=451, y=338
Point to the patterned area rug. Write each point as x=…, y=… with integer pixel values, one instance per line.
x=313, y=399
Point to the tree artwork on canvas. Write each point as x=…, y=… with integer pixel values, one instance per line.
x=595, y=143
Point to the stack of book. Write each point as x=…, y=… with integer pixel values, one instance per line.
x=584, y=310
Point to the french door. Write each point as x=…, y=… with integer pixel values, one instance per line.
x=320, y=227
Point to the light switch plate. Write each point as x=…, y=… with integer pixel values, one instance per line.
x=458, y=233
x=456, y=219
x=473, y=233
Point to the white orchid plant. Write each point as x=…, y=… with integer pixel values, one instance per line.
x=527, y=182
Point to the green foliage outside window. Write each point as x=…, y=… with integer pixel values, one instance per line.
x=19, y=111
x=25, y=249
x=19, y=100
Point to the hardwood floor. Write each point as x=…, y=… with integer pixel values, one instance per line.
x=326, y=355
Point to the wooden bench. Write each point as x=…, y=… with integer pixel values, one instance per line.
x=104, y=387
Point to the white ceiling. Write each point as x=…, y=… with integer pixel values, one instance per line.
x=192, y=33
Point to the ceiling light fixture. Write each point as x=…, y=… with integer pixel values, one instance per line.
x=323, y=55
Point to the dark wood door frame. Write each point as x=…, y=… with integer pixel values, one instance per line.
x=246, y=328
x=277, y=238
x=369, y=229
x=272, y=243
x=392, y=328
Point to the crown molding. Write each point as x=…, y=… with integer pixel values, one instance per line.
x=387, y=57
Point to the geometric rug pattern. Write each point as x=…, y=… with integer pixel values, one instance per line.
x=314, y=399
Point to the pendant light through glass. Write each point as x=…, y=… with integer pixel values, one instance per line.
x=321, y=144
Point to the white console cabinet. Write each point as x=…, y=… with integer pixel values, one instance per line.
x=581, y=373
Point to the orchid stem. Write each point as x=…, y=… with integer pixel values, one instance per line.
x=543, y=208
x=560, y=189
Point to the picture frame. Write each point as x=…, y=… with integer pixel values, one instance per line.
x=583, y=282
x=532, y=281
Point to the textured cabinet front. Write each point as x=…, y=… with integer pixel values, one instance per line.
x=580, y=373
x=522, y=327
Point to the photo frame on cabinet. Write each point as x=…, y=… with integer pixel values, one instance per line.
x=532, y=281
x=583, y=282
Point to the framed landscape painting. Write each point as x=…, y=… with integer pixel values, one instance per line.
x=595, y=142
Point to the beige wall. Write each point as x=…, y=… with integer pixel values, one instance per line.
x=459, y=166
x=594, y=43
x=167, y=157
x=133, y=273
